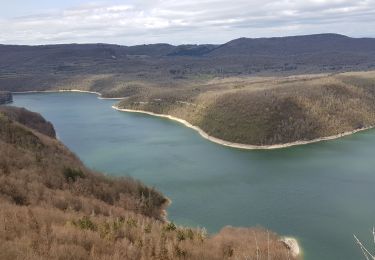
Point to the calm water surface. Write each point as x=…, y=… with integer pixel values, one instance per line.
x=320, y=193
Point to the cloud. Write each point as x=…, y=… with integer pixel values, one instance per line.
x=204, y=21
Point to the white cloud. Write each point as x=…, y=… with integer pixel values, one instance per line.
x=204, y=21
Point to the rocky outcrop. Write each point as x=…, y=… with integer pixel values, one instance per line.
x=293, y=246
x=6, y=97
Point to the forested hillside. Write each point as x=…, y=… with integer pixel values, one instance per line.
x=269, y=110
x=117, y=70
x=53, y=207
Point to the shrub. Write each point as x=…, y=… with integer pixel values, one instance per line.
x=170, y=227
x=180, y=235
x=85, y=223
x=131, y=222
x=72, y=174
x=148, y=229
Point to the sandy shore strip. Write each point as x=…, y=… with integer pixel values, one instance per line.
x=67, y=90
x=239, y=145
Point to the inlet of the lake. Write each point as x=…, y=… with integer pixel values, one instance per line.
x=320, y=193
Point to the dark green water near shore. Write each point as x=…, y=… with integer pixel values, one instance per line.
x=320, y=193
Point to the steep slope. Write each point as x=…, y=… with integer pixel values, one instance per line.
x=53, y=207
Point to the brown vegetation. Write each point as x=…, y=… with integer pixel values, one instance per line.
x=267, y=111
x=53, y=207
x=29, y=119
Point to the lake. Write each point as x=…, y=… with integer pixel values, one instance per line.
x=320, y=193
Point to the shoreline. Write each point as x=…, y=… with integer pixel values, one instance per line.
x=292, y=245
x=239, y=145
x=200, y=131
x=66, y=90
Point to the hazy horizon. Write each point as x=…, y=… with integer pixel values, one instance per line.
x=215, y=43
x=128, y=22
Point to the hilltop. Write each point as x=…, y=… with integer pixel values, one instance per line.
x=53, y=207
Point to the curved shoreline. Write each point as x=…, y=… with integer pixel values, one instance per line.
x=200, y=131
x=239, y=145
x=66, y=90
x=290, y=243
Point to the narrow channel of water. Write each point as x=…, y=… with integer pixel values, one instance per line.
x=320, y=193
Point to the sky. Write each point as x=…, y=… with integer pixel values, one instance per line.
x=130, y=22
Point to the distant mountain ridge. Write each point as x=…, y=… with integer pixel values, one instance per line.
x=293, y=45
x=272, y=45
x=57, y=66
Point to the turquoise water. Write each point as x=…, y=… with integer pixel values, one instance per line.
x=320, y=193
